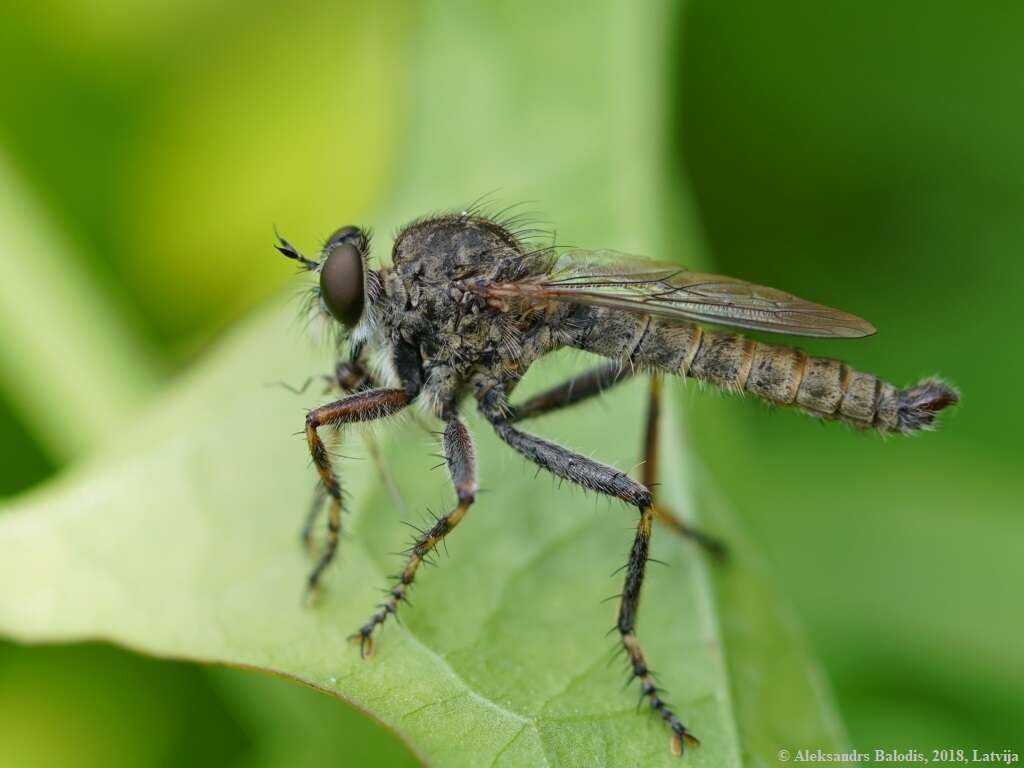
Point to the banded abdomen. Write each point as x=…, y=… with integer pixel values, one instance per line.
x=822, y=387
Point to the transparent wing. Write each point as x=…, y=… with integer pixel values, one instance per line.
x=633, y=284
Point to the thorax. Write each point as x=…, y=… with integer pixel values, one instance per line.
x=460, y=339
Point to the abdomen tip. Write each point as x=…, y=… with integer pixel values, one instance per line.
x=919, y=404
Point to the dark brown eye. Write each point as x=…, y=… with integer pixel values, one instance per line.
x=341, y=278
x=348, y=234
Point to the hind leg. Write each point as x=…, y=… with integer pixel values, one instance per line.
x=571, y=391
x=599, y=477
x=591, y=384
x=650, y=476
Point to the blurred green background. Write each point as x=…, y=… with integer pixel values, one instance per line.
x=866, y=155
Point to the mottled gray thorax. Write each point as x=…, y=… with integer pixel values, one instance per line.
x=461, y=341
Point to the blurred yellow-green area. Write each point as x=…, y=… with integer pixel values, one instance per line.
x=866, y=155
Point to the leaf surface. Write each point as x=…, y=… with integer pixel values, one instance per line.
x=180, y=539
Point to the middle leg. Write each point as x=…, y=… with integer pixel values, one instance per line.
x=461, y=461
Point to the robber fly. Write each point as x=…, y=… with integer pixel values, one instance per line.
x=469, y=304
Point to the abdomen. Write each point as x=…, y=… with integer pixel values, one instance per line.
x=822, y=387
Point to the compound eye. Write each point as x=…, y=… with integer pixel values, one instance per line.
x=341, y=278
x=345, y=234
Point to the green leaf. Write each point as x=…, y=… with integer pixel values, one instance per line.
x=181, y=539
x=66, y=356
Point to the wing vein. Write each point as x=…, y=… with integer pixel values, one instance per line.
x=620, y=282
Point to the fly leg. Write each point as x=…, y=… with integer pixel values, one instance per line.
x=352, y=376
x=626, y=624
x=459, y=456
x=603, y=479
x=575, y=390
x=348, y=376
x=319, y=496
x=363, y=406
x=650, y=475
x=592, y=383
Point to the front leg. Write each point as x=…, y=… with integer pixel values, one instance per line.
x=349, y=376
x=363, y=406
x=353, y=376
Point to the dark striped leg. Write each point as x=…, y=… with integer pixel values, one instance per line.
x=364, y=406
x=353, y=376
x=575, y=390
x=604, y=479
x=592, y=383
x=459, y=456
x=650, y=476
x=349, y=376
x=628, y=605
x=319, y=495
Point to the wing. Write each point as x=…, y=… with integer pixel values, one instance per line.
x=633, y=284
